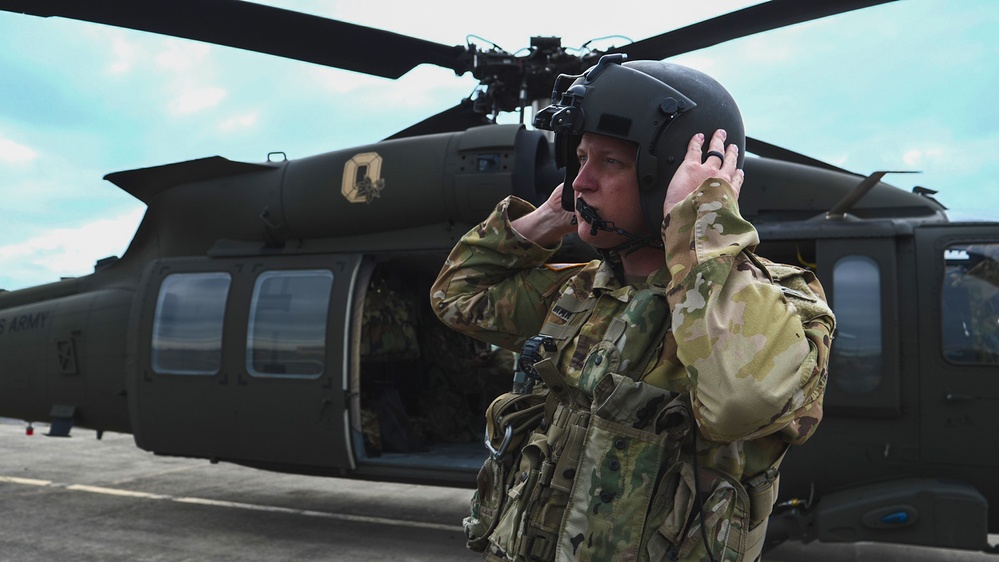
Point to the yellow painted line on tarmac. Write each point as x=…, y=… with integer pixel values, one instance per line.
x=118, y=492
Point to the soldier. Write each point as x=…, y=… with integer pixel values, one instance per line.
x=674, y=372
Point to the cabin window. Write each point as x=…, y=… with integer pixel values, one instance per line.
x=287, y=331
x=187, y=328
x=971, y=304
x=856, y=361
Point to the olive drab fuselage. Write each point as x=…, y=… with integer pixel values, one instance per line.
x=718, y=340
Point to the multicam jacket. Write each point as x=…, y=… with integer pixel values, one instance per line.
x=742, y=343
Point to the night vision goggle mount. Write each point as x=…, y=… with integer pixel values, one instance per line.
x=565, y=114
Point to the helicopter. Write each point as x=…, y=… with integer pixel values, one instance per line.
x=264, y=311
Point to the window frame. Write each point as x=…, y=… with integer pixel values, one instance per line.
x=219, y=314
x=947, y=308
x=852, y=330
x=883, y=401
x=252, y=320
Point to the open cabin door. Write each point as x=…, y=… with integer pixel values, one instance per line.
x=244, y=360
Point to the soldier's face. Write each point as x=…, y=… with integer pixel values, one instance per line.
x=607, y=182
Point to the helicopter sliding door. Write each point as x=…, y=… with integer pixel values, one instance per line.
x=243, y=360
x=959, y=290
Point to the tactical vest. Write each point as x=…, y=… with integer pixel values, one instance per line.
x=573, y=477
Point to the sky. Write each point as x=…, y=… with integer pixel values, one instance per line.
x=911, y=85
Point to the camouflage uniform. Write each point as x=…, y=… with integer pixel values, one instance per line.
x=610, y=474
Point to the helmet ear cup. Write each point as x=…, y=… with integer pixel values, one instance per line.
x=715, y=109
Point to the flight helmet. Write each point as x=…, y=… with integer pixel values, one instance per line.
x=656, y=105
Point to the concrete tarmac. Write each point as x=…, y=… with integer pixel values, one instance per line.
x=84, y=499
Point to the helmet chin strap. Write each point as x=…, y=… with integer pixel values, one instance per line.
x=635, y=242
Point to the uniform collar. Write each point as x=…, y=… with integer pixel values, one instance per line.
x=606, y=282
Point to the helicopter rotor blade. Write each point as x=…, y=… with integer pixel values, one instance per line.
x=741, y=23
x=767, y=150
x=457, y=118
x=315, y=39
x=264, y=29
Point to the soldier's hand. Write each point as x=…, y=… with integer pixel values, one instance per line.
x=547, y=224
x=695, y=170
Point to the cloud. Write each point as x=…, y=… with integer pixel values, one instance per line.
x=180, y=56
x=919, y=156
x=14, y=153
x=338, y=81
x=66, y=252
x=242, y=122
x=197, y=99
x=124, y=53
x=181, y=70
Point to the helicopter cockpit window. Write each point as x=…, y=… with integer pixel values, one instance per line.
x=287, y=332
x=971, y=303
x=187, y=329
x=856, y=363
